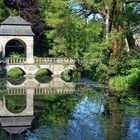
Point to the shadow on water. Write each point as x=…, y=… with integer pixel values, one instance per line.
x=44, y=79
x=16, y=81
x=68, y=111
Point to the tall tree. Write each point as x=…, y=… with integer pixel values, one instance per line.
x=53, y=13
x=4, y=12
x=114, y=18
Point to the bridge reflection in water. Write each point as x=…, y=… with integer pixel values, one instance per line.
x=16, y=122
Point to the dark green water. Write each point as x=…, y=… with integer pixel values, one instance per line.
x=67, y=111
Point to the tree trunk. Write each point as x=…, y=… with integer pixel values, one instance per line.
x=127, y=45
x=115, y=49
x=107, y=21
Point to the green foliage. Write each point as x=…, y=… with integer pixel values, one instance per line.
x=42, y=72
x=57, y=111
x=75, y=36
x=134, y=62
x=43, y=75
x=102, y=73
x=15, y=72
x=4, y=12
x=118, y=83
x=66, y=75
x=134, y=78
x=125, y=61
x=15, y=55
x=16, y=103
x=53, y=17
x=130, y=81
x=71, y=75
x=13, y=12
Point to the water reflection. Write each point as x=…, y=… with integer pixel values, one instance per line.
x=67, y=111
x=16, y=81
x=17, y=101
x=133, y=132
x=85, y=123
x=82, y=125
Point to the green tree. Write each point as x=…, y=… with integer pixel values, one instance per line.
x=53, y=12
x=4, y=12
x=115, y=17
x=76, y=36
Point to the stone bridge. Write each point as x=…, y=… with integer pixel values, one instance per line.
x=55, y=65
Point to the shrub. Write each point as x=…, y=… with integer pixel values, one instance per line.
x=118, y=83
x=15, y=55
x=15, y=73
x=134, y=70
x=134, y=78
x=130, y=81
x=67, y=75
x=102, y=73
x=42, y=72
x=134, y=63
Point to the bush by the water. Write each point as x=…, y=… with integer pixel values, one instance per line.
x=42, y=72
x=118, y=83
x=134, y=78
x=15, y=72
x=102, y=73
x=131, y=81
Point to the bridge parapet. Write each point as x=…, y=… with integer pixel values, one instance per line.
x=41, y=60
x=15, y=60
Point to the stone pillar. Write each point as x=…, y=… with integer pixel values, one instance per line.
x=29, y=111
x=29, y=50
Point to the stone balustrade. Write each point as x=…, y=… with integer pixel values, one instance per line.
x=41, y=60
x=15, y=60
x=16, y=91
x=48, y=60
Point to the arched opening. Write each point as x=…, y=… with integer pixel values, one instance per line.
x=15, y=48
x=67, y=75
x=15, y=72
x=15, y=103
x=43, y=75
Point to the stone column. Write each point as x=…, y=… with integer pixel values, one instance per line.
x=29, y=51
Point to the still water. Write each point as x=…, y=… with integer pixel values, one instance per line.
x=59, y=110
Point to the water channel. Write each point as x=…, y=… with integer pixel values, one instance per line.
x=59, y=110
